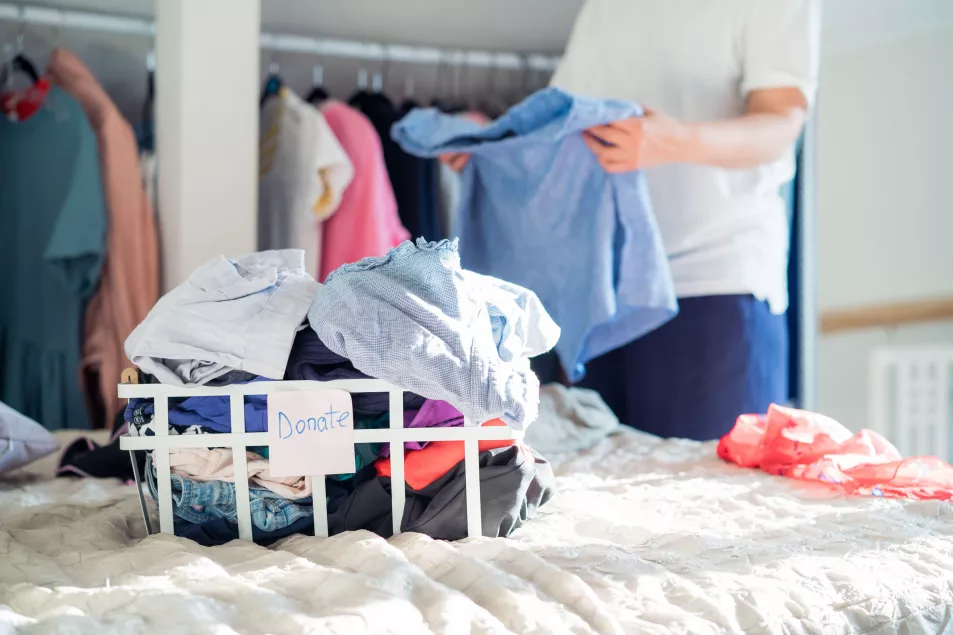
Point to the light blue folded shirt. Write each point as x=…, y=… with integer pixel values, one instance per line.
x=538, y=210
x=416, y=319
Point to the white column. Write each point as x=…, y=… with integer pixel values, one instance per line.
x=207, y=76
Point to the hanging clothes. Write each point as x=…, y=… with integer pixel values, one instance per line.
x=366, y=223
x=415, y=180
x=52, y=242
x=303, y=173
x=129, y=282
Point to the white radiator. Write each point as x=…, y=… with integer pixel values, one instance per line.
x=910, y=399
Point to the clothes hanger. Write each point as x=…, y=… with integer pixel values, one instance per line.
x=439, y=102
x=460, y=80
x=318, y=93
x=273, y=84
x=408, y=102
x=491, y=105
x=379, y=79
x=19, y=63
x=148, y=107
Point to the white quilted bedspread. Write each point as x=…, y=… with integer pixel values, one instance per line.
x=646, y=536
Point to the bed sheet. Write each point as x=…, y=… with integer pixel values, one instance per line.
x=645, y=536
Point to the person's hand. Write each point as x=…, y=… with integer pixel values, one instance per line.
x=455, y=160
x=639, y=142
x=458, y=160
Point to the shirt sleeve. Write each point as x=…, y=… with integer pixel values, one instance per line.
x=781, y=46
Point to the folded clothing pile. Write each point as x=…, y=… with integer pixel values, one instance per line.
x=458, y=343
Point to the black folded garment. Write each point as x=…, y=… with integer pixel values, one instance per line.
x=511, y=490
x=311, y=360
x=86, y=458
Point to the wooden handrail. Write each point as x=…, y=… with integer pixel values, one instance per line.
x=887, y=315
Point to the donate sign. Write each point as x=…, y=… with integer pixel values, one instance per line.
x=310, y=433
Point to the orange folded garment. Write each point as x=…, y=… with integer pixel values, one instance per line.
x=423, y=467
x=811, y=447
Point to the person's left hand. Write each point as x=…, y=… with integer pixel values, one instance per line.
x=636, y=143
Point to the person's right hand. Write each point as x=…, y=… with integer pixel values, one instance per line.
x=458, y=160
x=455, y=160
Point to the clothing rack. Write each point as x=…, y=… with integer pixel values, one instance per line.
x=207, y=166
x=319, y=47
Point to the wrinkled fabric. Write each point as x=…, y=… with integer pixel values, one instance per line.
x=538, y=210
x=416, y=319
x=811, y=447
x=423, y=467
x=311, y=360
x=229, y=315
x=129, y=280
x=570, y=420
x=197, y=502
x=211, y=413
x=513, y=486
x=433, y=414
x=86, y=458
x=22, y=440
x=218, y=464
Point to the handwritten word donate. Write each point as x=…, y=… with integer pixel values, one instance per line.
x=330, y=420
x=310, y=433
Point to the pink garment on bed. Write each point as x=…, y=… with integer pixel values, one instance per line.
x=811, y=447
x=366, y=223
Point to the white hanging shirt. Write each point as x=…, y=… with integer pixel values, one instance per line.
x=726, y=231
x=303, y=171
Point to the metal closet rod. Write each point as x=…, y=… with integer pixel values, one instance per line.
x=321, y=47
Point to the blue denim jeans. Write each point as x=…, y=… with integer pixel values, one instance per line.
x=200, y=501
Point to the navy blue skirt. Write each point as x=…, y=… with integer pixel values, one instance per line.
x=720, y=357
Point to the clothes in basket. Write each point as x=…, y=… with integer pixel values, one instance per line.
x=197, y=502
x=419, y=321
x=229, y=315
x=475, y=352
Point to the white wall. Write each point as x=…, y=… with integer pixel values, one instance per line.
x=885, y=211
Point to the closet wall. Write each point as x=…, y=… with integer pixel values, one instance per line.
x=884, y=214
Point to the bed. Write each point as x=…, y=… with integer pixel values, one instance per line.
x=645, y=536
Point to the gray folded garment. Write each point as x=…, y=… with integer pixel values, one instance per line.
x=230, y=315
x=570, y=420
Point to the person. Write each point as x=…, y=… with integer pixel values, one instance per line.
x=726, y=86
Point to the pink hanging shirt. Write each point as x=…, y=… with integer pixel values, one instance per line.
x=366, y=223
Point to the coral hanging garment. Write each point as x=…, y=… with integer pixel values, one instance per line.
x=812, y=447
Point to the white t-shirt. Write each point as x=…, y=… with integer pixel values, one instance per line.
x=303, y=172
x=726, y=231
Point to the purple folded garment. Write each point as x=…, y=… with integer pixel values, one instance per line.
x=311, y=360
x=433, y=414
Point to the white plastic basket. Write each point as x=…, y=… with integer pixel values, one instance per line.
x=239, y=441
